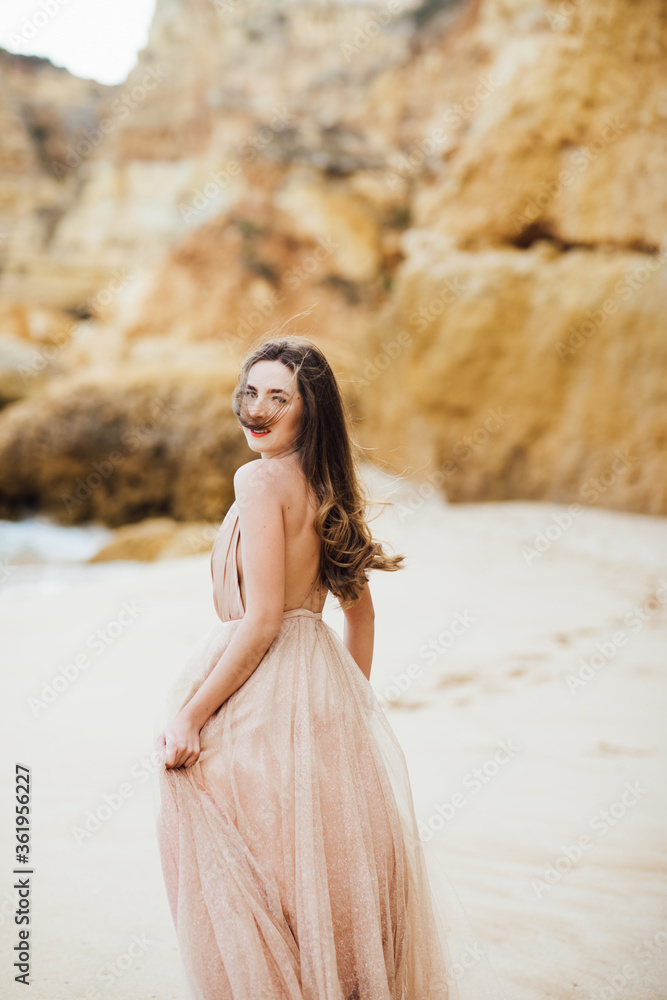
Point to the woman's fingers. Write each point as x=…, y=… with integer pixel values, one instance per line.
x=181, y=755
x=193, y=756
x=171, y=753
x=181, y=740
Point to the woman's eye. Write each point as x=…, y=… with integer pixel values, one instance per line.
x=278, y=399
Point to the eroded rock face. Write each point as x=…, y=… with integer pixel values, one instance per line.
x=534, y=287
x=55, y=108
x=45, y=112
x=571, y=140
x=564, y=402
x=468, y=216
x=123, y=446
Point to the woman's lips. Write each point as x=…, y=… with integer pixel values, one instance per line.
x=258, y=434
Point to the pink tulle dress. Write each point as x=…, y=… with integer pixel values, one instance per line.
x=290, y=851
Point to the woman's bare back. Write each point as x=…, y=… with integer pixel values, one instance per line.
x=302, y=545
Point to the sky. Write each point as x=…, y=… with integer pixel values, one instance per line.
x=96, y=39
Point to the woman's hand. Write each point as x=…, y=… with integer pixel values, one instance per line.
x=180, y=740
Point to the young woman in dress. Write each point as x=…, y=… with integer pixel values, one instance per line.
x=286, y=827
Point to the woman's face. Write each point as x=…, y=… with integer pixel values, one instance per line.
x=270, y=383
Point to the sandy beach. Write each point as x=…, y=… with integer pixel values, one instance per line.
x=521, y=655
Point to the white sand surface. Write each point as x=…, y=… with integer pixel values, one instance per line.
x=585, y=773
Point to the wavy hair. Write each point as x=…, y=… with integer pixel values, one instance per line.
x=329, y=455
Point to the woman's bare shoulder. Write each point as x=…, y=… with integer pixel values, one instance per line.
x=266, y=474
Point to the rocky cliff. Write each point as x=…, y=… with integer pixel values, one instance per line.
x=534, y=281
x=462, y=202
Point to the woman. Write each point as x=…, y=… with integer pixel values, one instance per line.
x=286, y=827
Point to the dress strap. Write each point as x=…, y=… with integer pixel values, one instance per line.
x=315, y=581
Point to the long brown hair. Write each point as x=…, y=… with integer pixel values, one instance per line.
x=328, y=454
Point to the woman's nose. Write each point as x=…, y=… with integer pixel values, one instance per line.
x=256, y=410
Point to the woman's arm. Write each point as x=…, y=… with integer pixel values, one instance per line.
x=263, y=555
x=359, y=631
